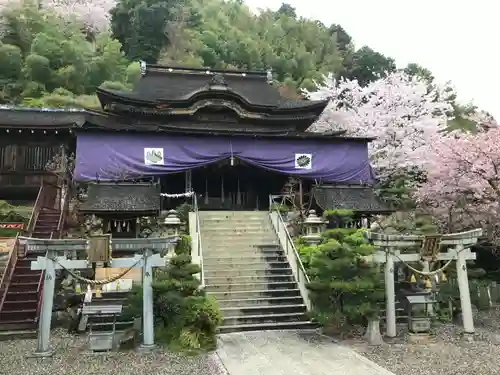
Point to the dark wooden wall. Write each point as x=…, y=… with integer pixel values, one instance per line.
x=23, y=161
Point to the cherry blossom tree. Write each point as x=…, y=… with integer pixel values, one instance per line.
x=403, y=113
x=463, y=181
x=94, y=14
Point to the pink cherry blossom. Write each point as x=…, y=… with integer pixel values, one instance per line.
x=403, y=113
x=93, y=13
x=463, y=180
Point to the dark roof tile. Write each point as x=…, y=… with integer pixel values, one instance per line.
x=122, y=197
x=354, y=198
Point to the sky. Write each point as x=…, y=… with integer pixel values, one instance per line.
x=457, y=40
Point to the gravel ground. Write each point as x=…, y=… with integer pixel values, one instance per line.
x=71, y=358
x=447, y=354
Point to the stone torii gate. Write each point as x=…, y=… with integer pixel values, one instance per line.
x=458, y=243
x=144, y=253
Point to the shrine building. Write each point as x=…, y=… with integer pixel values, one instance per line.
x=227, y=135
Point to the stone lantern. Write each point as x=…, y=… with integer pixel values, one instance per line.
x=419, y=307
x=314, y=226
x=172, y=223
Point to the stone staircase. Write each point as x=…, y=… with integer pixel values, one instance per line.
x=248, y=273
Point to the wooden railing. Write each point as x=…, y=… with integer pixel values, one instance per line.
x=8, y=271
x=64, y=201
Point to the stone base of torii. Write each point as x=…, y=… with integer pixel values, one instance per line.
x=144, y=254
x=458, y=250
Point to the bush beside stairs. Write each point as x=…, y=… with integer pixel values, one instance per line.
x=246, y=270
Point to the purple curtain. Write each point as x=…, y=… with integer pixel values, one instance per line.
x=109, y=156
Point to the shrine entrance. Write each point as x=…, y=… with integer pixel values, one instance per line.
x=229, y=184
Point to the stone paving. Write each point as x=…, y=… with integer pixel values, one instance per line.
x=291, y=353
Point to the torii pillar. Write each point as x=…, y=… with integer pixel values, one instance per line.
x=142, y=255
x=458, y=243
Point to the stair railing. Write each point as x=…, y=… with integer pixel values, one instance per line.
x=64, y=200
x=8, y=271
x=199, y=247
x=36, y=210
x=292, y=255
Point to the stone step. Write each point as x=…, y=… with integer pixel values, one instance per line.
x=235, y=272
x=267, y=326
x=264, y=301
x=250, y=286
x=237, y=222
x=224, y=215
x=262, y=258
x=264, y=318
x=239, y=241
x=257, y=310
x=246, y=266
x=249, y=235
x=247, y=294
x=240, y=231
x=242, y=251
x=217, y=280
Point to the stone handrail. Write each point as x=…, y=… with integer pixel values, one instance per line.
x=292, y=255
x=196, y=245
x=407, y=240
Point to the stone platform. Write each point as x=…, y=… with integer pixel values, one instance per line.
x=303, y=352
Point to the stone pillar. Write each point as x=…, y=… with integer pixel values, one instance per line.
x=43, y=345
x=390, y=295
x=148, y=316
x=463, y=285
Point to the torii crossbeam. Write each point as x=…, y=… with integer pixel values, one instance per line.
x=458, y=243
x=144, y=254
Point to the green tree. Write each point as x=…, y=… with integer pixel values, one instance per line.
x=186, y=318
x=345, y=289
x=368, y=65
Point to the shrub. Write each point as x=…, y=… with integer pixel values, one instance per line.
x=345, y=289
x=185, y=318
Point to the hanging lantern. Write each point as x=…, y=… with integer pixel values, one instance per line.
x=413, y=279
x=443, y=277
x=78, y=288
x=428, y=283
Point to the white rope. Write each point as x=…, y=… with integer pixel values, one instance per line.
x=180, y=195
x=423, y=273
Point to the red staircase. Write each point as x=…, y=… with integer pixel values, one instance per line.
x=20, y=287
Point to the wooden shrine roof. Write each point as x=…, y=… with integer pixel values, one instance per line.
x=110, y=197
x=25, y=118
x=178, y=84
x=181, y=93
x=355, y=198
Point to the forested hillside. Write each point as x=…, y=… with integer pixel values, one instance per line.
x=55, y=53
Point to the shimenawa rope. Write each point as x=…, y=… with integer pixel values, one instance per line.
x=98, y=282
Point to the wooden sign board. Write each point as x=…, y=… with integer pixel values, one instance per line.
x=99, y=248
x=18, y=226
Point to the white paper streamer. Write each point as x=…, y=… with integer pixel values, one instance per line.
x=180, y=195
